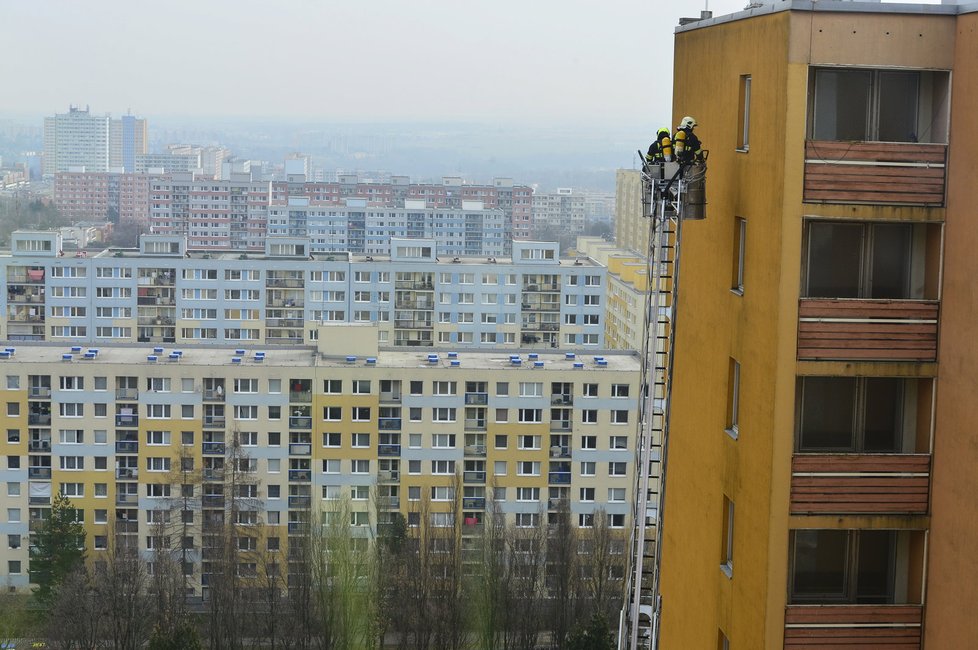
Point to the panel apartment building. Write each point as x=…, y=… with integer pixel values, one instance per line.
x=289, y=432
x=164, y=293
x=96, y=142
x=239, y=211
x=822, y=445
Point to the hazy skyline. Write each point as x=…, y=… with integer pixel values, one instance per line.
x=376, y=60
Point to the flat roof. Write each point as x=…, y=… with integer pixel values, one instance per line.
x=838, y=6
x=307, y=357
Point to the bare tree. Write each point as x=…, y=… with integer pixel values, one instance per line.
x=76, y=616
x=602, y=566
x=525, y=585
x=121, y=587
x=561, y=574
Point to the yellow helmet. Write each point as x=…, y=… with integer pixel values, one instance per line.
x=687, y=123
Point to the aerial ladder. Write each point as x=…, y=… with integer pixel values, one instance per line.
x=671, y=194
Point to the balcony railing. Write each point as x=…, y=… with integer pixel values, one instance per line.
x=127, y=394
x=476, y=399
x=300, y=475
x=299, y=501
x=901, y=173
x=301, y=396
x=212, y=501
x=300, y=449
x=883, y=330
x=860, y=483
x=558, y=451
x=127, y=473
x=475, y=450
x=126, y=499
x=213, y=448
x=560, y=478
x=213, y=395
x=474, y=503
x=853, y=626
x=39, y=392
x=127, y=447
x=474, y=477
x=389, y=450
x=39, y=472
x=560, y=425
x=300, y=422
x=214, y=421
x=562, y=398
x=389, y=424
x=39, y=418
x=388, y=476
x=126, y=420
x=42, y=446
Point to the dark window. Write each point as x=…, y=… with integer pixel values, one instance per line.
x=843, y=566
x=856, y=260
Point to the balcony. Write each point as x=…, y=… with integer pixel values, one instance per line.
x=557, y=451
x=213, y=448
x=536, y=288
x=388, y=503
x=125, y=526
x=390, y=398
x=127, y=394
x=867, y=330
x=126, y=499
x=300, y=422
x=860, y=484
x=388, y=476
x=389, y=450
x=413, y=324
x=389, y=424
x=896, y=173
x=297, y=527
x=213, y=474
x=414, y=285
x=127, y=447
x=474, y=503
x=562, y=399
x=213, y=395
x=559, y=478
x=560, y=425
x=127, y=473
x=300, y=475
x=474, y=477
x=39, y=472
x=39, y=392
x=127, y=420
x=40, y=446
x=852, y=626
x=300, y=449
x=212, y=501
x=39, y=418
x=214, y=421
x=479, y=451
x=476, y=399
x=299, y=501
x=300, y=396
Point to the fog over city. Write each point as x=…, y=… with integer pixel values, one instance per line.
x=553, y=94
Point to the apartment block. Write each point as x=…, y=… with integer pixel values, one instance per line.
x=102, y=196
x=821, y=445
x=152, y=444
x=627, y=291
x=96, y=142
x=166, y=293
x=631, y=225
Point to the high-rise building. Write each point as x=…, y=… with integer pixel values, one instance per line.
x=96, y=142
x=102, y=196
x=821, y=449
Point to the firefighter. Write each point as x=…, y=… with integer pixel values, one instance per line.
x=688, y=149
x=661, y=149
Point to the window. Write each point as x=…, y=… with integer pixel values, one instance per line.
x=589, y=416
x=246, y=412
x=443, y=440
x=443, y=388
x=589, y=390
x=859, y=260
x=727, y=546
x=879, y=105
x=501, y=441
x=619, y=417
x=618, y=442
x=619, y=390
x=361, y=386
x=13, y=567
x=527, y=494
x=852, y=415
x=589, y=442
x=158, y=411
x=531, y=415
x=414, y=414
x=499, y=468
x=442, y=493
x=502, y=389
x=443, y=414
x=843, y=566
x=361, y=414
x=73, y=489
x=331, y=466
x=531, y=389
x=72, y=436
x=157, y=437
x=360, y=466
x=332, y=386
x=443, y=467
x=527, y=519
x=247, y=438
x=360, y=440
x=502, y=415
x=617, y=468
x=528, y=468
x=332, y=439
x=70, y=410
x=733, y=399
x=743, y=138
x=616, y=495
x=359, y=492
x=528, y=442
x=72, y=462
x=331, y=492
x=739, y=249
x=274, y=492
x=332, y=413
x=587, y=468
x=587, y=494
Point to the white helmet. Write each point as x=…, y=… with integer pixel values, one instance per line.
x=687, y=123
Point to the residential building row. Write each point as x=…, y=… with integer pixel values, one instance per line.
x=170, y=449
x=165, y=293
x=822, y=448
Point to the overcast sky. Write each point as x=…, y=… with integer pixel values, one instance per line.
x=373, y=60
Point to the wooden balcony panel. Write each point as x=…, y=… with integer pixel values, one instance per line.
x=900, y=173
x=860, y=484
x=831, y=627
x=885, y=330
